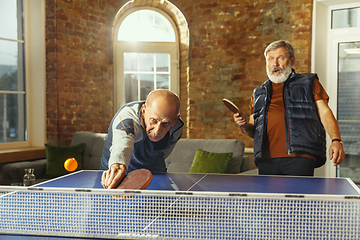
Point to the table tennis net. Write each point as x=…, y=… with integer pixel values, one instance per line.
x=176, y=215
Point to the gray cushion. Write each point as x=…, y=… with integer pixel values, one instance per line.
x=182, y=156
x=14, y=172
x=93, y=149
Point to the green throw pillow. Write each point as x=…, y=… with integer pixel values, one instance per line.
x=57, y=155
x=207, y=162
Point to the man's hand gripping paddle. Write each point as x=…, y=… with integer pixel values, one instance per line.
x=138, y=179
x=231, y=106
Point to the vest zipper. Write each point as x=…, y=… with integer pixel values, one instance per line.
x=265, y=119
x=286, y=122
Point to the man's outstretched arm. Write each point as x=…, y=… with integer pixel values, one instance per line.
x=336, y=150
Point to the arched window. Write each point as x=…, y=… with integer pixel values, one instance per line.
x=150, y=26
x=146, y=55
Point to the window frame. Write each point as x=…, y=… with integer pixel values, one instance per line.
x=35, y=76
x=144, y=47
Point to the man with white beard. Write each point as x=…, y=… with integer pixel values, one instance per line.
x=289, y=117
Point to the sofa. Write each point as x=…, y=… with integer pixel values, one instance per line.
x=182, y=156
x=180, y=159
x=94, y=142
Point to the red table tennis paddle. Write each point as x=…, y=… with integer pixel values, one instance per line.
x=231, y=106
x=138, y=179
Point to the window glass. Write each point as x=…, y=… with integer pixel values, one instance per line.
x=130, y=61
x=11, y=66
x=162, y=81
x=131, y=87
x=153, y=73
x=345, y=18
x=148, y=26
x=146, y=85
x=12, y=118
x=12, y=81
x=8, y=20
x=348, y=113
x=146, y=61
x=162, y=62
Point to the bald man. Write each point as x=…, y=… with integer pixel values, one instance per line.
x=141, y=135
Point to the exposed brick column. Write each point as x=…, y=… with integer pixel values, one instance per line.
x=80, y=71
x=52, y=104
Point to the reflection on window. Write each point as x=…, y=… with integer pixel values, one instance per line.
x=348, y=108
x=345, y=18
x=12, y=80
x=148, y=26
x=144, y=72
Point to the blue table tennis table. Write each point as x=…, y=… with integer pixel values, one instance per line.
x=220, y=183
x=180, y=206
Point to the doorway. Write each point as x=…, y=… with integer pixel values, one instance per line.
x=348, y=104
x=336, y=57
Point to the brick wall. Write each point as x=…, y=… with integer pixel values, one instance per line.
x=223, y=58
x=231, y=36
x=79, y=67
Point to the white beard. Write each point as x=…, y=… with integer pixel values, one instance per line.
x=279, y=78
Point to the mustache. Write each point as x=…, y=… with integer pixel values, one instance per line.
x=276, y=68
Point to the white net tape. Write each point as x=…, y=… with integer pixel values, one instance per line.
x=174, y=215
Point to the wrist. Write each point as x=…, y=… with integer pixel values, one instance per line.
x=118, y=166
x=337, y=140
x=244, y=125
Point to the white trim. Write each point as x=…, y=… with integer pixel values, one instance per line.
x=12, y=40
x=35, y=48
x=12, y=92
x=337, y=2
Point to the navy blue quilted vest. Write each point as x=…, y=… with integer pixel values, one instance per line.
x=304, y=130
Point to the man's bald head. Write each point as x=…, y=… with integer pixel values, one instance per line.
x=164, y=99
x=160, y=112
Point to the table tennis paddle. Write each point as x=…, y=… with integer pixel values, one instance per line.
x=138, y=179
x=231, y=106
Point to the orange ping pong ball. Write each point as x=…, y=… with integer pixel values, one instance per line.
x=70, y=164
